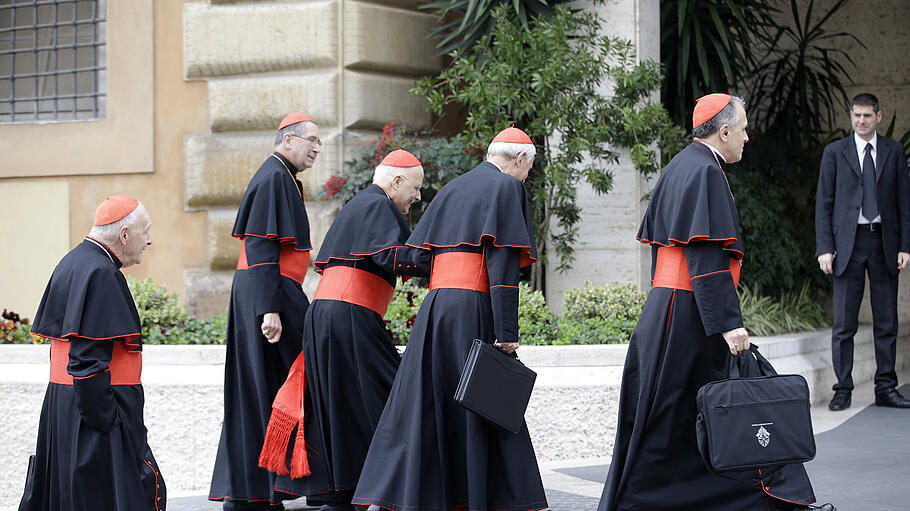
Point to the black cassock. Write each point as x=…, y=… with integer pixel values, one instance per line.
x=429, y=453
x=92, y=450
x=693, y=228
x=272, y=224
x=349, y=355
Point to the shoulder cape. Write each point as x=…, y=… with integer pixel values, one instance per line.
x=88, y=297
x=692, y=201
x=272, y=206
x=482, y=203
x=368, y=224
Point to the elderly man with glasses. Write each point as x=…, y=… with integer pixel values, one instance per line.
x=266, y=313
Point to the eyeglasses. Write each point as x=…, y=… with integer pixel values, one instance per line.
x=312, y=140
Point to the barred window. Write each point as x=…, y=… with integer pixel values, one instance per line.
x=52, y=60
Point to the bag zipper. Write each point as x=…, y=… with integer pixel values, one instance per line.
x=764, y=403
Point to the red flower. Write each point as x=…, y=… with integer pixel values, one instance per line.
x=334, y=185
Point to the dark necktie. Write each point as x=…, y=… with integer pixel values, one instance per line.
x=870, y=200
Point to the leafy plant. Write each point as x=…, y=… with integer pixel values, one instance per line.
x=547, y=80
x=709, y=46
x=536, y=324
x=794, y=311
x=466, y=22
x=599, y=330
x=165, y=321
x=621, y=300
x=442, y=159
x=16, y=330
x=399, y=318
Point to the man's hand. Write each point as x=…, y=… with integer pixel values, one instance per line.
x=903, y=258
x=271, y=327
x=826, y=261
x=737, y=339
x=507, y=347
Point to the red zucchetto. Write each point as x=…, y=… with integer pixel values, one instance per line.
x=114, y=208
x=513, y=135
x=293, y=118
x=706, y=107
x=400, y=158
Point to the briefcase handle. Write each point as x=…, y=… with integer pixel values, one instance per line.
x=764, y=367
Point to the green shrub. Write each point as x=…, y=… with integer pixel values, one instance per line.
x=536, y=324
x=165, y=321
x=399, y=319
x=621, y=301
x=794, y=311
x=605, y=330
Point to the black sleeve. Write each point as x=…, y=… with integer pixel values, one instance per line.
x=405, y=260
x=88, y=364
x=824, y=204
x=262, y=257
x=503, y=265
x=715, y=292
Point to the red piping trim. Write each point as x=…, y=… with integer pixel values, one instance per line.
x=504, y=285
x=712, y=273
x=258, y=264
x=527, y=259
x=697, y=237
x=286, y=240
x=670, y=312
x=126, y=337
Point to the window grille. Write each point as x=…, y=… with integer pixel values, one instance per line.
x=52, y=60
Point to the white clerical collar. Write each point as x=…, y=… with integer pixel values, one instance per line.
x=495, y=165
x=861, y=144
x=713, y=150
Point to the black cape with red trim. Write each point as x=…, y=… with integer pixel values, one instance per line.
x=271, y=215
x=482, y=203
x=429, y=453
x=349, y=355
x=676, y=348
x=692, y=201
x=272, y=206
x=92, y=451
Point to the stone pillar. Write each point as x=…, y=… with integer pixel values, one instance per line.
x=347, y=64
x=606, y=249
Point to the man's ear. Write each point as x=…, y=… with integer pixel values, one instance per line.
x=724, y=132
x=123, y=234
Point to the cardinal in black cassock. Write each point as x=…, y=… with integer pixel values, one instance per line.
x=92, y=450
x=690, y=326
x=266, y=313
x=429, y=453
x=348, y=361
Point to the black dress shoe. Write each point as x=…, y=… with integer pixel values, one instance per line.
x=891, y=398
x=841, y=400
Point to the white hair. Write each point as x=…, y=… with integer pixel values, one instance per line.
x=384, y=174
x=510, y=149
x=110, y=231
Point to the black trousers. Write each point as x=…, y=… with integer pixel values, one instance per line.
x=868, y=257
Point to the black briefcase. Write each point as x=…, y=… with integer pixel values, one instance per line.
x=495, y=386
x=755, y=419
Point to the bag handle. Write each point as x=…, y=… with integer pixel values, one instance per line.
x=764, y=367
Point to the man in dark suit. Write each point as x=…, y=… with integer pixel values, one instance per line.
x=862, y=224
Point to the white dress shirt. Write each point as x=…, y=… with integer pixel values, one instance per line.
x=861, y=154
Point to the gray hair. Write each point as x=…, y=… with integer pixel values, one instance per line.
x=729, y=115
x=510, y=149
x=384, y=174
x=110, y=231
x=295, y=129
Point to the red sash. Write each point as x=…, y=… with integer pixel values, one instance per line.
x=672, y=271
x=352, y=285
x=293, y=263
x=125, y=367
x=460, y=270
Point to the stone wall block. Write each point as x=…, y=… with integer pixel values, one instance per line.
x=372, y=100
x=259, y=103
x=218, y=167
x=207, y=292
x=243, y=39
x=372, y=40
x=223, y=248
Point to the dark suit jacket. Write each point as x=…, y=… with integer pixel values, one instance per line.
x=840, y=195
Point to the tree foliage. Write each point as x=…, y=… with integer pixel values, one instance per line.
x=549, y=80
